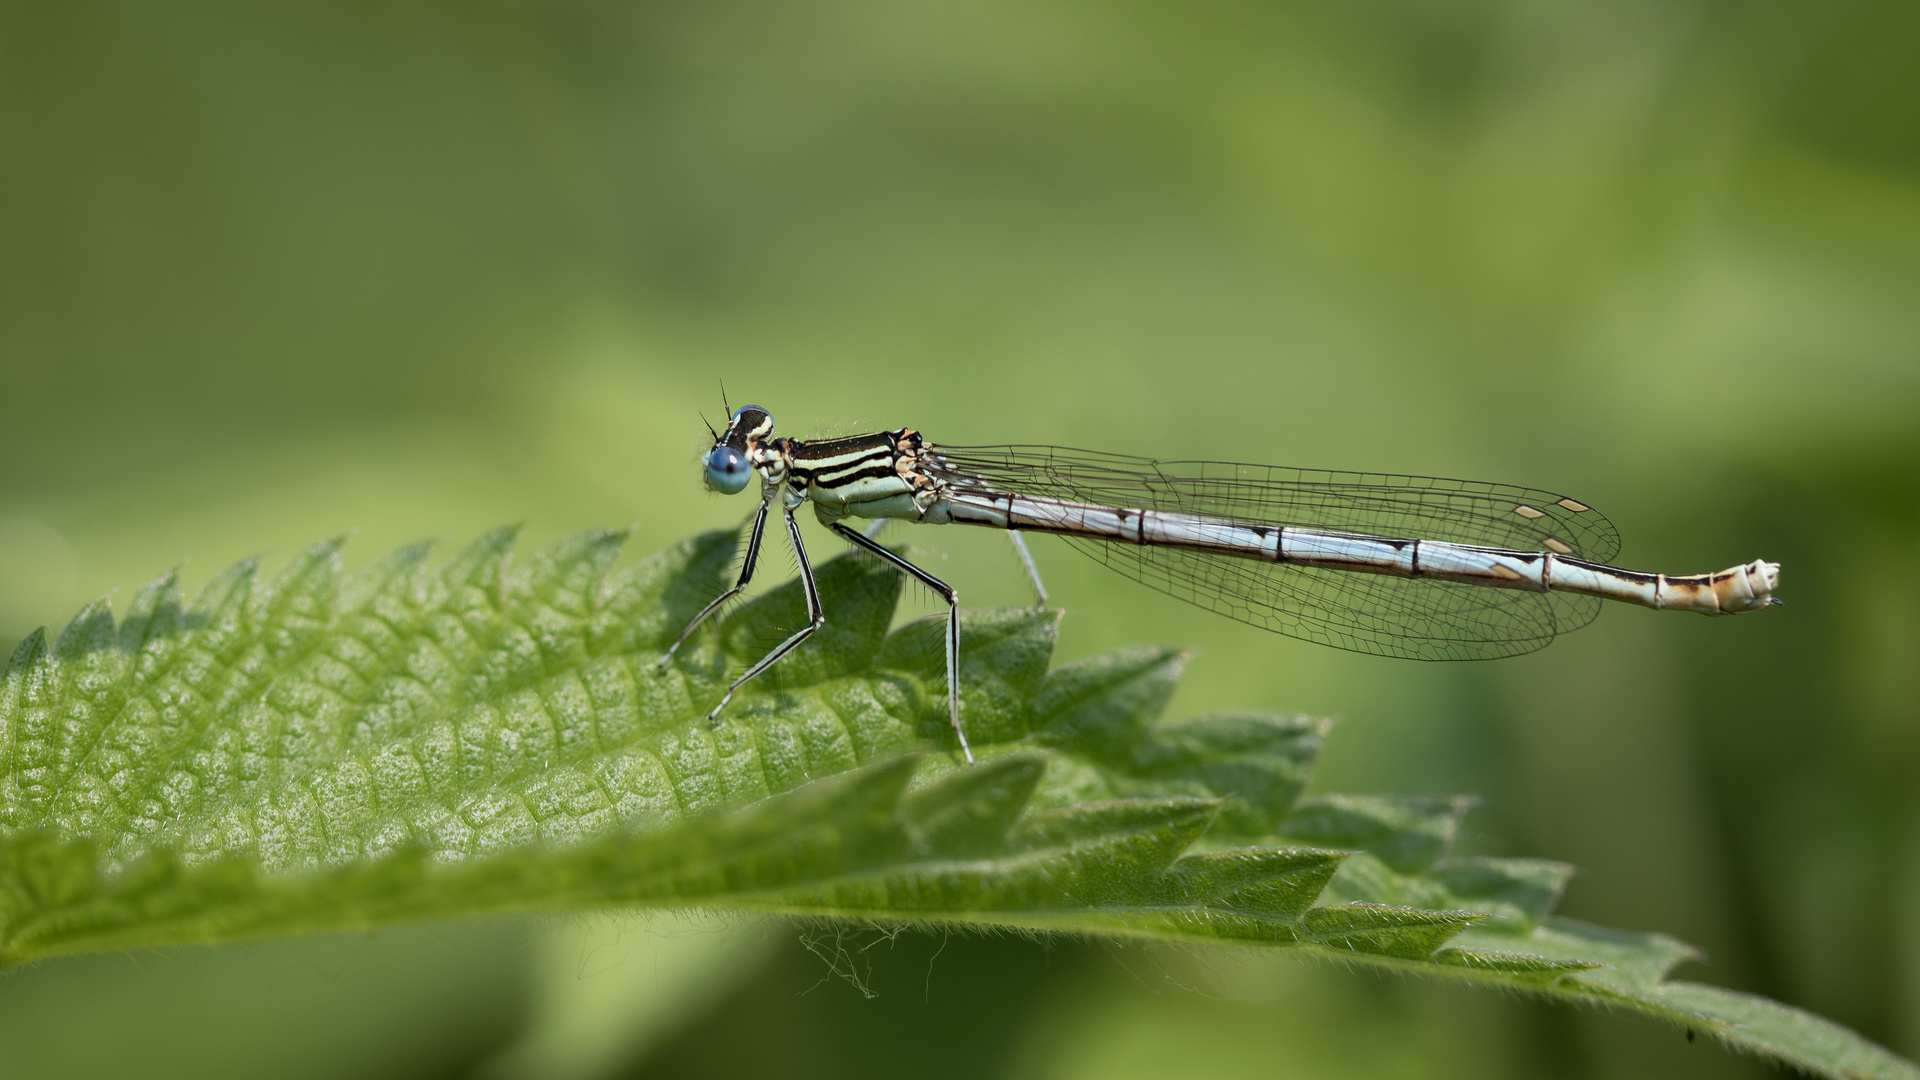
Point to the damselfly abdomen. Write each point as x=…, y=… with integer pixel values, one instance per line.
x=1406, y=566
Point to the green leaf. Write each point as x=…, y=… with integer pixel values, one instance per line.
x=317, y=751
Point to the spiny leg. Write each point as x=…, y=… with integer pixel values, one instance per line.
x=953, y=623
x=815, y=617
x=746, y=575
x=1033, y=572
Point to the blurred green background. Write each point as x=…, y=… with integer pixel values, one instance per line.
x=272, y=272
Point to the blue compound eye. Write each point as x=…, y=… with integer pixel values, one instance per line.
x=727, y=470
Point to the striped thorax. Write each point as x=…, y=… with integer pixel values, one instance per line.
x=869, y=476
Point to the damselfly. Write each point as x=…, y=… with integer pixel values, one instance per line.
x=1406, y=566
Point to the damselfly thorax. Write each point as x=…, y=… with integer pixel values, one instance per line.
x=1406, y=566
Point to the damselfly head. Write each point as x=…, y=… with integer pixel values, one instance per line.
x=751, y=423
x=726, y=466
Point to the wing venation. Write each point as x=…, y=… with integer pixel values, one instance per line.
x=1415, y=618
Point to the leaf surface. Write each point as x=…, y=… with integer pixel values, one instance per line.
x=320, y=751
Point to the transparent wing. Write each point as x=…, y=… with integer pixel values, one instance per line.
x=1416, y=618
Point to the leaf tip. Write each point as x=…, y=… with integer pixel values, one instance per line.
x=35, y=642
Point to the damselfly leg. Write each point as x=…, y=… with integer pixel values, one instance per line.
x=875, y=528
x=1033, y=572
x=746, y=575
x=816, y=616
x=952, y=598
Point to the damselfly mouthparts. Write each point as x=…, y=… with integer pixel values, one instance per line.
x=1407, y=566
